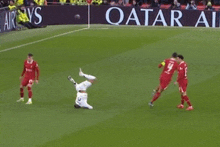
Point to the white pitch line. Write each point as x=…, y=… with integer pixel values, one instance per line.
x=12, y=48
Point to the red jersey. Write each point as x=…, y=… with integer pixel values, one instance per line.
x=182, y=71
x=169, y=67
x=30, y=69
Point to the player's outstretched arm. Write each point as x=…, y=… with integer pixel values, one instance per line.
x=38, y=74
x=22, y=74
x=161, y=64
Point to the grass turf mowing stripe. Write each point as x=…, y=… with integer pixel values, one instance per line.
x=41, y=40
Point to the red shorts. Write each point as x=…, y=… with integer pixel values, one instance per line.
x=27, y=82
x=164, y=82
x=183, y=85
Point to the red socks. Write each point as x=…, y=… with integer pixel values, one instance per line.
x=186, y=98
x=29, y=92
x=156, y=96
x=182, y=100
x=21, y=92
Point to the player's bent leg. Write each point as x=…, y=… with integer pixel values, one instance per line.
x=84, y=103
x=181, y=105
x=21, y=94
x=87, y=106
x=151, y=104
x=182, y=99
x=157, y=95
x=76, y=106
x=155, y=90
x=29, y=95
x=89, y=77
x=23, y=84
x=190, y=107
x=186, y=98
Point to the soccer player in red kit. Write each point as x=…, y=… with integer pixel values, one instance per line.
x=170, y=66
x=182, y=81
x=28, y=77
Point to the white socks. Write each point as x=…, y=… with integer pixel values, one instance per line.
x=30, y=100
x=72, y=80
x=89, y=77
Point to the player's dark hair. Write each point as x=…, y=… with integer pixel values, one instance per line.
x=30, y=55
x=180, y=56
x=174, y=55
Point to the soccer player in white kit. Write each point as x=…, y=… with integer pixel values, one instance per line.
x=82, y=96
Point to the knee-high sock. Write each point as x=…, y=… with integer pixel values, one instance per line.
x=29, y=92
x=182, y=100
x=156, y=96
x=89, y=77
x=186, y=98
x=21, y=92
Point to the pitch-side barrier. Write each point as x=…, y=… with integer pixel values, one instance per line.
x=112, y=15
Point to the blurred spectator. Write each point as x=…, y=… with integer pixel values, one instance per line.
x=19, y=2
x=209, y=6
x=73, y=2
x=191, y=5
x=98, y=2
x=11, y=5
x=4, y=3
x=125, y=2
x=1, y=4
x=106, y=2
x=62, y=2
x=22, y=18
x=175, y=5
x=116, y=3
x=155, y=3
x=40, y=2
x=139, y=3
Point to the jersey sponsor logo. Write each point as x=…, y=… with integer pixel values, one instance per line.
x=79, y=99
x=29, y=70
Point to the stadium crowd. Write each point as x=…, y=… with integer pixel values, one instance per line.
x=163, y=4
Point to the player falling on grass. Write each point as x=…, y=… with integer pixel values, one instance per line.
x=182, y=81
x=28, y=77
x=170, y=65
x=82, y=96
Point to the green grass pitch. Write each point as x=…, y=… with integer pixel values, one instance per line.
x=124, y=59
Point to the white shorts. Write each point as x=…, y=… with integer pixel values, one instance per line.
x=83, y=86
x=81, y=100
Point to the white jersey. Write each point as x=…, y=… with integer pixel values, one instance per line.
x=81, y=98
x=83, y=86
